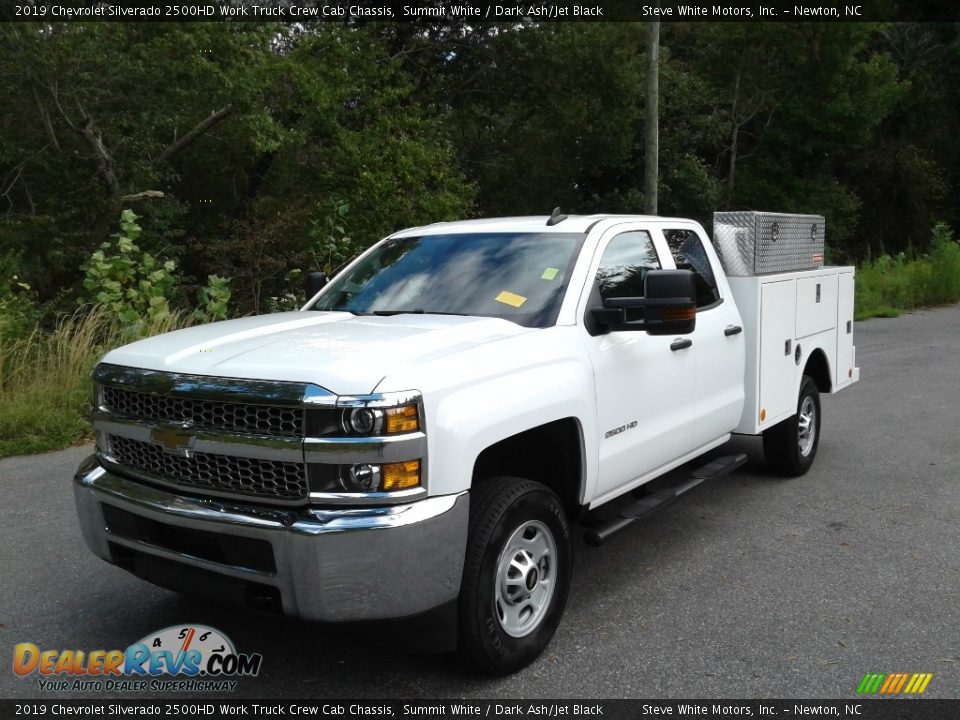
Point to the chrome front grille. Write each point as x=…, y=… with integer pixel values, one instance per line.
x=279, y=480
x=231, y=417
x=276, y=442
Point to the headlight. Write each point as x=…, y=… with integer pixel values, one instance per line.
x=381, y=421
x=363, y=421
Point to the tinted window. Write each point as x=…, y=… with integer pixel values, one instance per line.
x=689, y=254
x=516, y=276
x=624, y=265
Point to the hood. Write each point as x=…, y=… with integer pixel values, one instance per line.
x=346, y=354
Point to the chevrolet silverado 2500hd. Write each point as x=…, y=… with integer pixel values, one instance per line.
x=416, y=441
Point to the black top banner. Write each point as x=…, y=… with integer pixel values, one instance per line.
x=537, y=709
x=478, y=11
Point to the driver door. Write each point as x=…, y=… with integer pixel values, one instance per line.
x=645, y=384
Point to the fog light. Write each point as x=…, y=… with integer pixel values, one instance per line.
x=360, y=478
x=399, y=476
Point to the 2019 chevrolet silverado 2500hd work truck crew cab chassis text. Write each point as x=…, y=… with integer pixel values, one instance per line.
x=419, y=437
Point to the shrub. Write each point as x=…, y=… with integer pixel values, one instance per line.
x=133, y=284
x=887, y=285
x=138, y=287
x=944, y=281
x=212, y=300
x=18, y=311
x=330, y=243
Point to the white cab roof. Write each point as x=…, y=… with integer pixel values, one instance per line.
x=536, y=223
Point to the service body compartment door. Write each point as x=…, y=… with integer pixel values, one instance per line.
x=816, y=304
x=846, y=359
x=778, y=369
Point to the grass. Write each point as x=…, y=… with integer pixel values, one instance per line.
x=45, y=380
x=886, y=286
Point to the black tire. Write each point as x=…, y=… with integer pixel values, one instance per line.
x=499, y=509
x=787, y=447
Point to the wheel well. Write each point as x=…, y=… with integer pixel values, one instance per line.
x=550, y=454
x=819, y=369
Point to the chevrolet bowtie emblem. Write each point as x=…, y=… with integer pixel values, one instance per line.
x=174, y=440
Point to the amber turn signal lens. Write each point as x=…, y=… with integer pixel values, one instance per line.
x=403, y=419
x=400, y=476
x=675, y=314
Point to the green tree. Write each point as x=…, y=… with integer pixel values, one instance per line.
x=835, y=93
x=904, y=175
x=103, y=115
x=217, y=134
x=352, y=132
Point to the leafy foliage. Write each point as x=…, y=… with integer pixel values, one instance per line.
x=237, y=143
x=889, y=284
x=133, y=284
x=18, y=313
x=330, y=245
x=212, y=300
x=137, y=288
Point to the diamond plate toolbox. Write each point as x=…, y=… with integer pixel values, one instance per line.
x=762, y=243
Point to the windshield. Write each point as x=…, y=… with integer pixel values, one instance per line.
x=516, y=276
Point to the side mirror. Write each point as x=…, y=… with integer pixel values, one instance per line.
x=315, y=282
x=669, y=306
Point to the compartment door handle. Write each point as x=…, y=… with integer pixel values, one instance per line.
x=732, y=330
x=681, y=344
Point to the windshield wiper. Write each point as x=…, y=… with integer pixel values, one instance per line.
x=415, y=311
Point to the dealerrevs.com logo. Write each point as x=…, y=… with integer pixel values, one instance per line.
x=181, y=658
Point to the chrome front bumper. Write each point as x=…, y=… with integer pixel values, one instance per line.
x=347, y=564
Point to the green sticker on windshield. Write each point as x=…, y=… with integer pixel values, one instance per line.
x=549, y=274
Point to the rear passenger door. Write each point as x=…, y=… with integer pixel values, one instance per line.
x=718, y=337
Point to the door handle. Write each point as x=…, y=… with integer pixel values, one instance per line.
x=680, y=344
x=732, y=330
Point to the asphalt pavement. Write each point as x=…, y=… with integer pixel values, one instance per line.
x=751, y=586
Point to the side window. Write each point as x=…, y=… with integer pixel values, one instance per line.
x=625, y=263
x=689, y=254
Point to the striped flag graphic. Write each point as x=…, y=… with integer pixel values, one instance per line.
x=894, y=683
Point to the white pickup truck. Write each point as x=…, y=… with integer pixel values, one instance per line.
x=417, y=440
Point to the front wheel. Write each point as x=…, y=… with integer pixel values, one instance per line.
x=790, y=446
x=516, y=575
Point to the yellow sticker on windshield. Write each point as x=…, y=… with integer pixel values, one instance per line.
x=549, y=273
x=509, y=298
